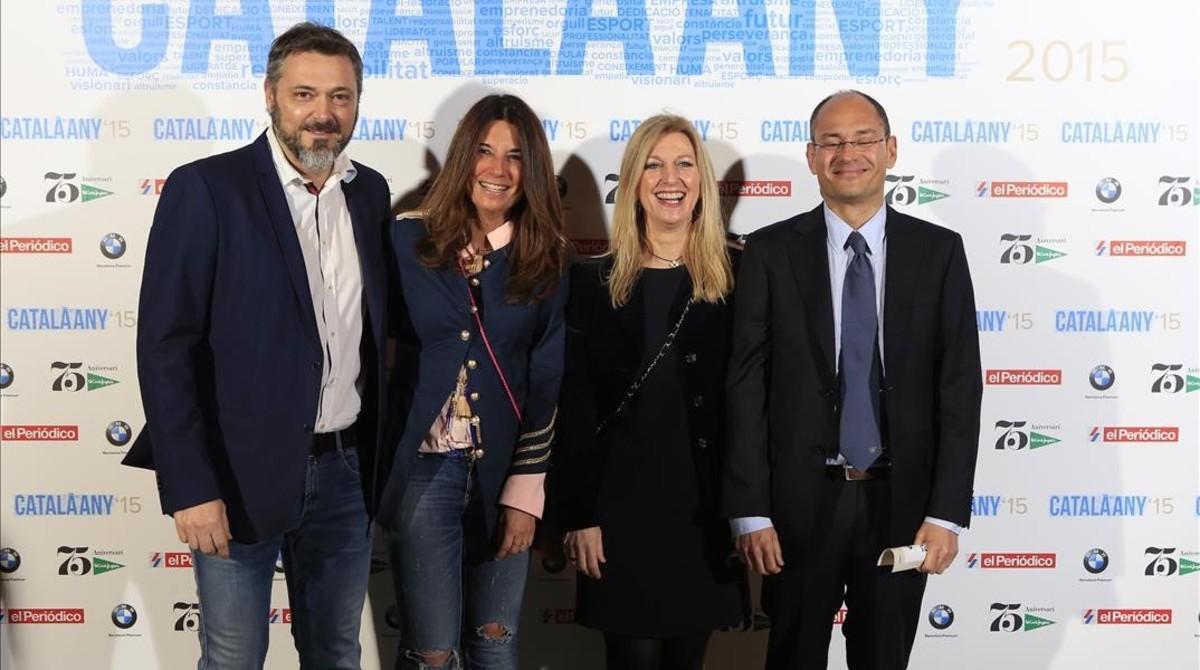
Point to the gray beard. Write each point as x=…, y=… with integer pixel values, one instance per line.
x=317, y=159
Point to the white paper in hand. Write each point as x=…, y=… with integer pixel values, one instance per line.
x=902, y=558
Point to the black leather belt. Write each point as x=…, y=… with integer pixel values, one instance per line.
x=855, y=475
x=324, y=443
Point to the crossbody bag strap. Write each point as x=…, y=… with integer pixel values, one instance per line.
x=641, y=379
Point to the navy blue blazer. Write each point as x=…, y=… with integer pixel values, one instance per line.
x=229, y=359
x=436, y=335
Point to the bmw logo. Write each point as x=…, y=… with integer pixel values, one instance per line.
x=118, y=433
x=3, y=187
x=1095, y=561
x=1102, y=378
x=6, y=376
x=124, y=616
x=1108, y=190
x=941, y=617
x=112, y=246
x=10, y=560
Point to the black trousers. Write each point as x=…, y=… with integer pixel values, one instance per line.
x=882, y=609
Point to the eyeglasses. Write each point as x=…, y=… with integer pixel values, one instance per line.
x=856, y=146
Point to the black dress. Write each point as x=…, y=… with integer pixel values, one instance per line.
x=668, y=569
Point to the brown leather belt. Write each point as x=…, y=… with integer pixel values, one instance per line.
x=855, y=475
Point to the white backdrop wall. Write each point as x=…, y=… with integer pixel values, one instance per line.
x=1060, y=139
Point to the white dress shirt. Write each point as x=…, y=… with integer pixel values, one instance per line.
x=335, y=283
x=837, y=232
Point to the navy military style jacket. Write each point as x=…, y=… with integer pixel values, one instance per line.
x=437, y=335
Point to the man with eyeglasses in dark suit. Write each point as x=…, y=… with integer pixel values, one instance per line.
x=855, y=391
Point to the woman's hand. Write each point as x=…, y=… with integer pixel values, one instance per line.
x=585, y=550
x=515, y=532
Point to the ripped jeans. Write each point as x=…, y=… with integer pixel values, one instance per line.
x=447, y=587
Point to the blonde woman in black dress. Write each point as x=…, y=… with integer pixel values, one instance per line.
x=642, y=434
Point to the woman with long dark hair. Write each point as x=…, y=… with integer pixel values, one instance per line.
x=478, y=273
x=643, y=428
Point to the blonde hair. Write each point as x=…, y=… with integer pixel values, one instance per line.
x=707, y=257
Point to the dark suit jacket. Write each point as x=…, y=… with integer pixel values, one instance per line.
x=605, y=350
x=432, y=313
x=783, y=385
x=229, y=359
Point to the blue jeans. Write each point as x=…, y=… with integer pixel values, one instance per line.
x=326, y=560
x=446, y=580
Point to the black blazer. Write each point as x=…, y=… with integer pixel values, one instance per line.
x=229, y=358
x=605, y=350
x=783, y=387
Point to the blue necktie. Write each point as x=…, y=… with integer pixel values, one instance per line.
x=859, y=430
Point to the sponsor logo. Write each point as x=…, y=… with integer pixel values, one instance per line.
x=1095, y=561
x=69, y=377
x=171, y=559
x=1024, y=377
x=282, y=615
x=67, y=187
x=112, y=246
x=1014, y=618
x=1102, y=377
x=1134, y=434
x=1108, y=190
x=39, y=433
x=118, y=433
x=78, y=561
x=1168, y=379
x=1109, y=505
x=1168, y=248
x=3, y=187
x=1018, y=252
x=1012, y=560
x=187, y=617
x=43, y=615
x=904, y=192
x=941, y=617
x=151, y=186
x=35, y=245
x=1021, y=189
x=590, y=247
x=1127, y=616
x=755, y=189
x=1103, y=321
x=63, y=504
x=1167, y=562
x=10, y=560
x=124, y=616
x=6, y=376
x=1014, y=436
x=61, y=318
x=558, y=615
x=1175, y=192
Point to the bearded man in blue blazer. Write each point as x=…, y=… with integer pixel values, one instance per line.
x=262, y=323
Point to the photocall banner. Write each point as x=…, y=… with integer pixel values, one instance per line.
x=1059, y=138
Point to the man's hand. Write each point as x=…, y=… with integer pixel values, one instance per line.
x=585, y=550
x=515, y=533
x=760, y=550
x=941, y=546
x=205, y=528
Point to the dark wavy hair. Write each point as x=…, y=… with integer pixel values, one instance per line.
x=539, y=247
